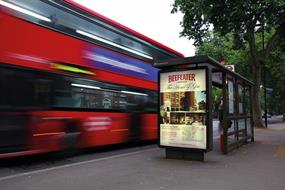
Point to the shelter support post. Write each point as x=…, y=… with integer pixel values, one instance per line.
x=225, y=115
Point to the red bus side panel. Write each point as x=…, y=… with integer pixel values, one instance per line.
x=29, y=45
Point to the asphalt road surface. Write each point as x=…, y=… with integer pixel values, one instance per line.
x=21, y=165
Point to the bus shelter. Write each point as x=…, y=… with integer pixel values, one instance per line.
x=186, y=116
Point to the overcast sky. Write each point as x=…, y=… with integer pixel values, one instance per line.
x=151, y=18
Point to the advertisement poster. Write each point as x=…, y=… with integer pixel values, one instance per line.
x=183, y=109
x=231, y=96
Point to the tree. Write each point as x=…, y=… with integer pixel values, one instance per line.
x=221, y=47
x=243, y=18
x=276, y=79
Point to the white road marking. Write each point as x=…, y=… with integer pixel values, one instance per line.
x=75, y=164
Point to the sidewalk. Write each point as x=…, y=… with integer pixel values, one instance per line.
x=259, y=165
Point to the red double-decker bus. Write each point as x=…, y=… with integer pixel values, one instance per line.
x=72, y=78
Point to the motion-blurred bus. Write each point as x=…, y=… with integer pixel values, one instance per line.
x=72, y=78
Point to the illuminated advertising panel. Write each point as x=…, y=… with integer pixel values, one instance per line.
x=183, y=109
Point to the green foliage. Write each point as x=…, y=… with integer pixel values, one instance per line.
x=275, y=74
x=221, y=47
x=238, y=17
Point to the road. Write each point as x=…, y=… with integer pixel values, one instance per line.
x=22, y=165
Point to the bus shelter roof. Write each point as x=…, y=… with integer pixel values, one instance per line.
x=196, y=61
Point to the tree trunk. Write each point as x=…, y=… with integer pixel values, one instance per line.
x=256, y=71
x=257, y=118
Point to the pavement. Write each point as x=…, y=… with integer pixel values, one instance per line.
x=254, y=166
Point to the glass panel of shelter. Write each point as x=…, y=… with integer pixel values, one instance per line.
x=238, y=122
x=241, y=122
x=231, y=122
x=248, y=113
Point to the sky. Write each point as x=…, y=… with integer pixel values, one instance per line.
x=151, y=18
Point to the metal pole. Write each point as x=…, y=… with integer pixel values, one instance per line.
x=224, y=136
x=264, y=79
x=265, y=99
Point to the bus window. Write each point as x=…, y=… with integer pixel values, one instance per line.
x=17, y=88
x=89, y=94
x=42, y=92
x=86, y=98
x=62, y=92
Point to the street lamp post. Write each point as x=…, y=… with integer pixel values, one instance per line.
x=264, y=79
x=265, y=98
